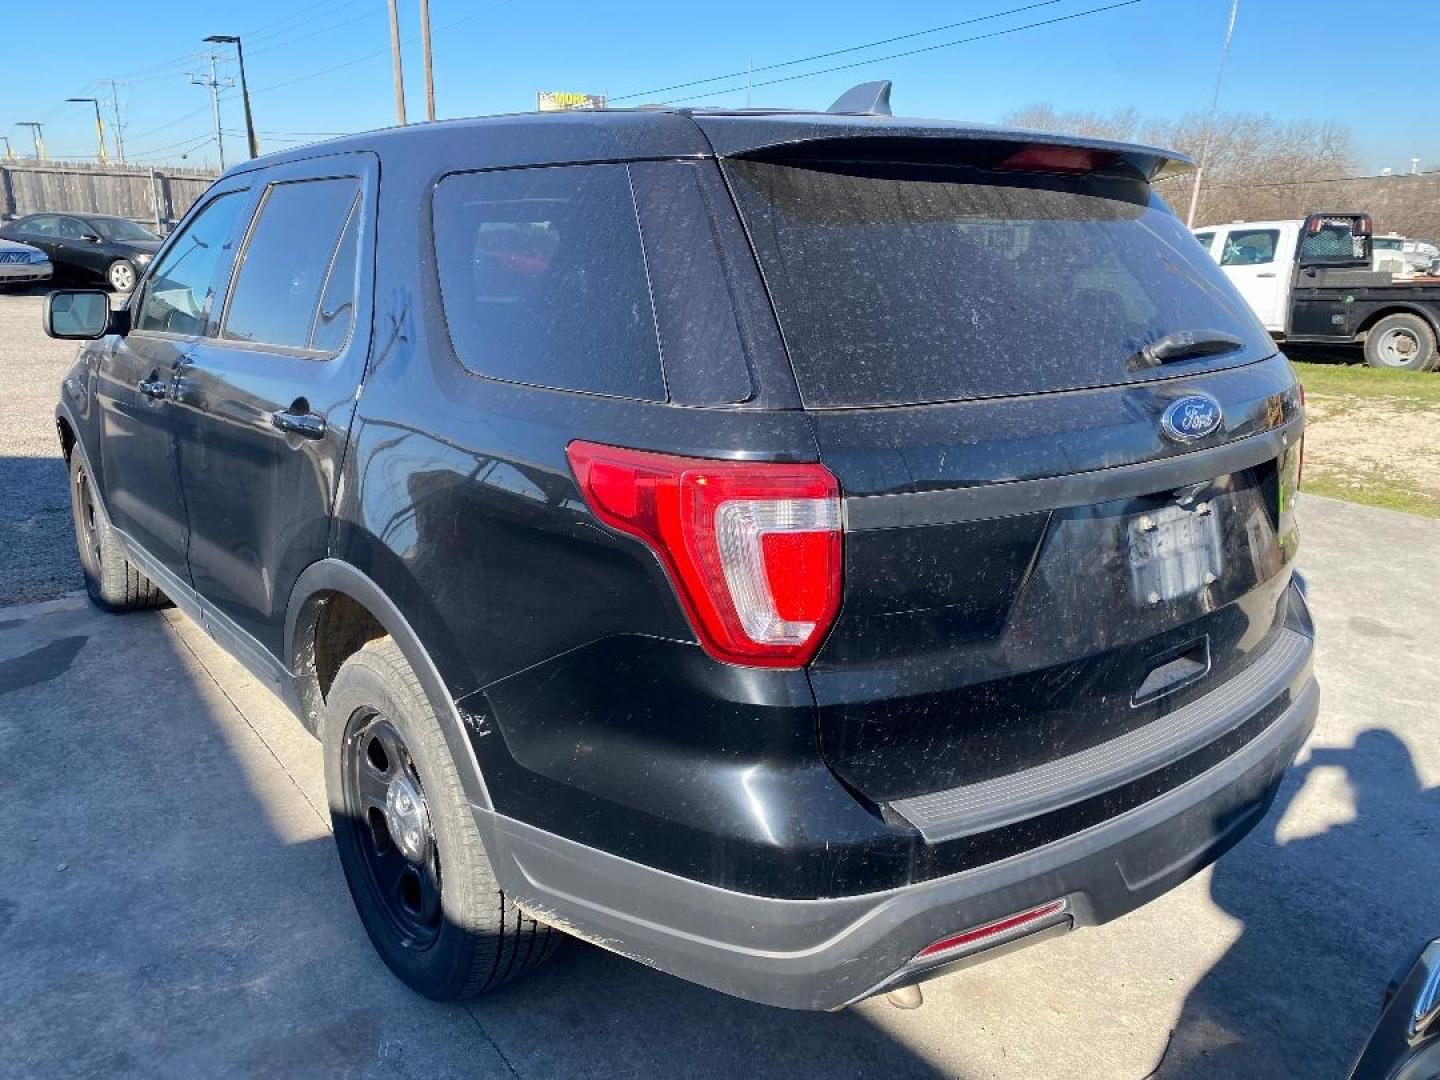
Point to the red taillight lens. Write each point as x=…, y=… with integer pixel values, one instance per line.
x=752, y=548
x=1016, y=925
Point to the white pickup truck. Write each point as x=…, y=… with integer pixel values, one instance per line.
x=1310, y=282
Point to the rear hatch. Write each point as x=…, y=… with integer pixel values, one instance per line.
x=1010, y=355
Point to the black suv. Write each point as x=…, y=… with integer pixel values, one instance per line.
x=799, y=551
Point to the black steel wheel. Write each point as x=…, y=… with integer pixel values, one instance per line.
x=386, y=806
x=87, y=524
x=408, y=841
x=112, y=581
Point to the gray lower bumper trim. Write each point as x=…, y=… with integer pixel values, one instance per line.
x=821, y=954
x=975, y=808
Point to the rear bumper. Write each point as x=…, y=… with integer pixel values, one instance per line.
x=825, y=953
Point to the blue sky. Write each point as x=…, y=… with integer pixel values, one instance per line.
x=311, y=70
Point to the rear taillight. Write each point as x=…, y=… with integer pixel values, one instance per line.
x=752, y=548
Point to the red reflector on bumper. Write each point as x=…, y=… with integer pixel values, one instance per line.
x=999, y=928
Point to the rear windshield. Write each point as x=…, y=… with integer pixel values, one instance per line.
x=905, y=284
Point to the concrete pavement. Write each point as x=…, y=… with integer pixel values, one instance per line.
x=170, y=903
x=34, y=495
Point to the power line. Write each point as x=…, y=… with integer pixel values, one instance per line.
x=261, y=34
x=836, y=52
x=1319, y=180
x=385, y=50
x=306, y=77
x=915, y=52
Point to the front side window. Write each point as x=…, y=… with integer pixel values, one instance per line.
x=1205, y=239
x=70, y=229
x=1251, y=247
x=288, y=264
x=544, y=282
x=180, y=288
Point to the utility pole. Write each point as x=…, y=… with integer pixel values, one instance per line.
x=429, y=67
x=233, y=39
x=9, y=153
x=99, y=124
x=214, y=83
x=115, y=106
x=395, y=62
x=37, y=134
x=1210, y=123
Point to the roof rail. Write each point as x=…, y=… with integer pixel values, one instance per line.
x=867, y=99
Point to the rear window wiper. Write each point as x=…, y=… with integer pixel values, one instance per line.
x=1183, y=345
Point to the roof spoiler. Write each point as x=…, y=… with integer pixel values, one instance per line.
x=867, y=99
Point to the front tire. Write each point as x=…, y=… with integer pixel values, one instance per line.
x=121, y=275
x=112, y=581
x=408, y=844
x=1402, y=342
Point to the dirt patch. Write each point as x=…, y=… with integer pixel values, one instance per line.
x=1374, y=450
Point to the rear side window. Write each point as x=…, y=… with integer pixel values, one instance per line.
x=1249, y=247
x=1205, y=239
x=905, y=284
x=292, y=257
x=544, y=281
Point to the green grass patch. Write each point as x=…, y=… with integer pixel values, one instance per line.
x=1405, y=389
x=1373, y=489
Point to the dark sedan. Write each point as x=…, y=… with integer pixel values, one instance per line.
x=89, y=247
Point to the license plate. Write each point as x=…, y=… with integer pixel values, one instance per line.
x=1175, y=552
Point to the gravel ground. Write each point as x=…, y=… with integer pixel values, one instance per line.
x=37, y=560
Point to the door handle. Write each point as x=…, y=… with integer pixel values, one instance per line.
x=307, y=425
x=1265, y=275
x=155, y=388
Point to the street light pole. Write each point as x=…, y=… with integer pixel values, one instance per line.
x=9, y=153
x=36, y=134
x=233, y=39
x=99, y=124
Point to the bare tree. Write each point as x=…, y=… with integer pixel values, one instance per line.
x=1120, y=124
x=1260, y=168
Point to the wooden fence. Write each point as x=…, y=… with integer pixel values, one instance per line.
x=158, y=196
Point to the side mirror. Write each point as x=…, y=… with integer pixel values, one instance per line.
x=90, y=237
x=77, y=315
x=1335, y=240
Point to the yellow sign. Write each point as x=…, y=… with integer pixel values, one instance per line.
x=559, y=101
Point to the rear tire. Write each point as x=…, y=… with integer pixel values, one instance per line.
x=1402, y=342
x=426, y=895
x=112, y=581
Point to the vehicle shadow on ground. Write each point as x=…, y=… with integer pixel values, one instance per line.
x=1274, y=1005
x=171, y=904
x=37, y=558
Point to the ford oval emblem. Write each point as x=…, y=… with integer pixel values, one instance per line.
x=1191, y=417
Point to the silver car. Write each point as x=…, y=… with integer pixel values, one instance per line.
x=23, y=264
